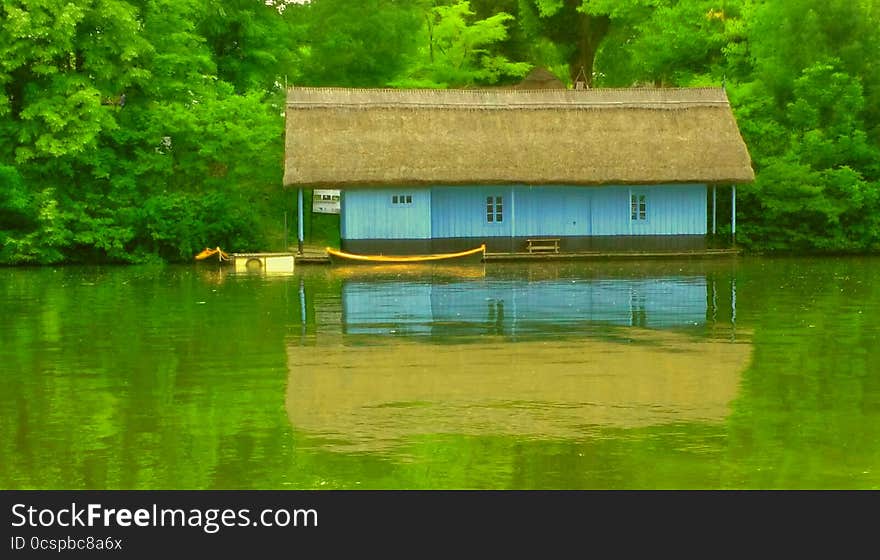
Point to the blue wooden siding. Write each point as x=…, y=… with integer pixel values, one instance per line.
x=610, y=214
x=461, y=212
x=672, y=210
x=370, y=214
x=513, y=306
x=545, y=211
x=454, y=212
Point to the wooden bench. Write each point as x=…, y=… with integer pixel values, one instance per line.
x=543, y=245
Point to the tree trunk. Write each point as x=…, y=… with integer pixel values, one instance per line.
x=591, y=31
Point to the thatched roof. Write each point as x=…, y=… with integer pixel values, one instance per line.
x=366, y=137
x=540, y=78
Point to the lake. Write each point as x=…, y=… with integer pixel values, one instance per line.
x=734, y=373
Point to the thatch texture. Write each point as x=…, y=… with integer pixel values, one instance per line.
x=351, y=137
x=540, y=78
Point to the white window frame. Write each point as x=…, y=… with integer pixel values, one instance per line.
x=494, y=209
x=638, y=207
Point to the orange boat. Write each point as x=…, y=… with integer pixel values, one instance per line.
x=207, y=253
x=469, y=256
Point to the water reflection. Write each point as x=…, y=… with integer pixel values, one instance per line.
x=539, y=358
x=521, y=306
x=177, y=377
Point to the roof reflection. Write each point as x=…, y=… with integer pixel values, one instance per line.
x=375, y=397
x=619, y=353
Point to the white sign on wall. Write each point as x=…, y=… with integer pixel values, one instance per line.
x=325, y=201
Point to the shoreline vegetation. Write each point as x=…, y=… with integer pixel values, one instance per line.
x=142, y=131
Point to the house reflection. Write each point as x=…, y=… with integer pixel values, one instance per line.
x=618, y=353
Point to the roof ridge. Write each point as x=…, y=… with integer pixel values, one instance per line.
x=503, y=98
x=505, y=90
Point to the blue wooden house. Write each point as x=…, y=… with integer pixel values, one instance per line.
x=439, y=170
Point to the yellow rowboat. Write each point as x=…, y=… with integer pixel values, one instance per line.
x=469, y=256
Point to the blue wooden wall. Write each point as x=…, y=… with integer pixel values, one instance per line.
x=451, y=212
x=461, y=212
x=673, y=209
x=548, y=211
x=610, y=211
x=370, y=214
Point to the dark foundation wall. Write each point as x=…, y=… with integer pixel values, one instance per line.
x=601, y=244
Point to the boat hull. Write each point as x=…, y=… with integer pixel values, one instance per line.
x=464, y=257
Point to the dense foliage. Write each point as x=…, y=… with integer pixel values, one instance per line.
x=148, y=129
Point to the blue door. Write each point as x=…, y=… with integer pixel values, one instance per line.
x=576, y=218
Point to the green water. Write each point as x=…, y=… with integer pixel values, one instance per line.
x=746, y=373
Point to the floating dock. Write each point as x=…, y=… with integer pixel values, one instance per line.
x=610, y=255
x=264, y=262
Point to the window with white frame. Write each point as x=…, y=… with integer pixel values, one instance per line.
x=639, y=207
x=401, y=200
x=494, y=209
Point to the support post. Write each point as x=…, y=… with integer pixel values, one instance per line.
x=299, y=209
x=733, y=215
x=629, y=197
x=714, y=208
x=512, y=216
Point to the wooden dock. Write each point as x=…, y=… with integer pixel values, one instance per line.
x=601, y=255
x=317, y=255
x=312, y=254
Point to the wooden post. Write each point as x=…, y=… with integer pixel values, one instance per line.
x=733, y=215
x=511, y=213
x=714, y=208
x=299, y=207
x=629, y=197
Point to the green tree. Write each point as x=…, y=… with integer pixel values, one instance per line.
x=124, y=142
x=817, y=186
x=252, y=44
x=674, y=43
x=807, y=110
x=359, y=44
x=63, y=67
x=456, y=49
